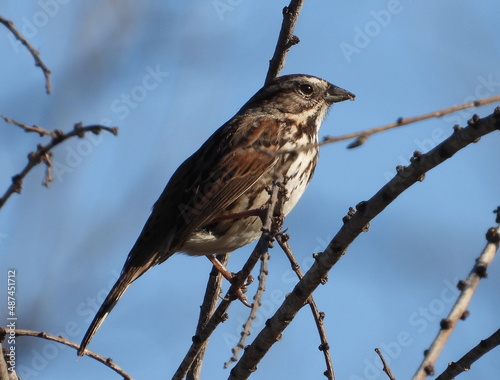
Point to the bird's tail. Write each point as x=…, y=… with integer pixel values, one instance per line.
x=126, y=278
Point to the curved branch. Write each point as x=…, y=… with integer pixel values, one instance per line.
x=108, y=362
x=35, y=53
x=43, y=153
x=355, y=223
x=459, y=310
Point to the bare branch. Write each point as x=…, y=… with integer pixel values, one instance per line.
x=286, y=39
x=386, y=368
x=464, y=364
x=459, y=309
x=212, y=296
x=354, y=224
x=36, y=55
x=43, y=153
x=362, y=136
x=106, y=361
x=318, y=316
x=275, y=204
x=253, y=311
x=35, y=128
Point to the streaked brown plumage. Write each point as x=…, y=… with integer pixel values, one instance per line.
x=228, y=175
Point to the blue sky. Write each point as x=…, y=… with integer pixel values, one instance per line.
x=168, y=74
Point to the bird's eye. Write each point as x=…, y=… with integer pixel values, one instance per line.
x=306, y=89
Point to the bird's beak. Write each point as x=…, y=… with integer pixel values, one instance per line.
x=336, y=94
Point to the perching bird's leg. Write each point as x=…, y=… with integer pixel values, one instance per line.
x=232, y=278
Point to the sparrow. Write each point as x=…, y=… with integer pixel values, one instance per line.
x=209, y=204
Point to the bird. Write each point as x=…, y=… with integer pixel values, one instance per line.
x=209, y=204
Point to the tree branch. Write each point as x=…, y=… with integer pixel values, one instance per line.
x=362, y=136
x=269, y=229
x=318, y=316
x=456, y=368
x=355, y=223
x=43, y=153
x=256, y=304
x=35, y=53
x=212, y=295
x=386, y=368
x=459, y=310
x=286, y=39
x=108, y=362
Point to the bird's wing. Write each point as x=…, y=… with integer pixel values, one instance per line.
x=229, y=163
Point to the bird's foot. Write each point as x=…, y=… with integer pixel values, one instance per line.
x=233, y=278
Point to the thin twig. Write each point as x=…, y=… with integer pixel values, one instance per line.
x=43, y=154
x=286, y=39
x=464, y=364
x=353, y=226
x=212, y=295
x=106, y=361
x=275, y=204
x=35, y=53
x=253, y=311
x=318, y=316
x=34, y=128
x=362, y=136
x=386, y=368
x=459, y=309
